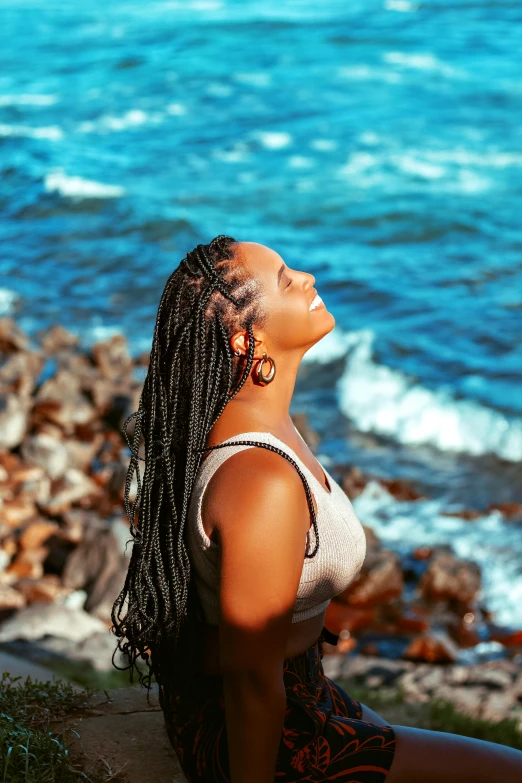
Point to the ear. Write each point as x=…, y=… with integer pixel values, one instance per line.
x=239, y=342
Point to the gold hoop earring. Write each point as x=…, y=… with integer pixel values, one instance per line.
x=264, y=379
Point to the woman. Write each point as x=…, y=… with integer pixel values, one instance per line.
x=238, y=552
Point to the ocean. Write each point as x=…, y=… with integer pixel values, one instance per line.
x=377, y=145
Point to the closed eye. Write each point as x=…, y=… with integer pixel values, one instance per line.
x=286, y=286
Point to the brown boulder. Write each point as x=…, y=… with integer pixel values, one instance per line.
x=434, y=647
x=509, y=510
x=46, y=451
x=36, y=534
x=75, y=487
x=380, y=580
x=61, y=400
x=20, y=373
x=14, y=419
x=112, y=357
x=450, y=578
x=57, y=339
x=12, y=339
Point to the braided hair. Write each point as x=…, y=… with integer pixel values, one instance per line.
x=192, y=375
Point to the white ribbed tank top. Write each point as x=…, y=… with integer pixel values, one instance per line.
x=342, y=543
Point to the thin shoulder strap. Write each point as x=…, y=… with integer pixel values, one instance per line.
x=270, y=447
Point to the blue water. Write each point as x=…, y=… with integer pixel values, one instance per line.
x=377, y=145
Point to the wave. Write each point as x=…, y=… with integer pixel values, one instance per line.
x=77, y=187
x=489, y=541
x=131, y=119
x=52, y=132
x=384, y=401
x=8, y=300
x=28, y=99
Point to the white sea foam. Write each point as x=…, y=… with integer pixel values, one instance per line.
x=131, y=119
x=403, y=6
x=300, y=162
x=8, y=300
x=274, y=140
x=496, y=546
x=366, y=169
x=27, y=99
x=176, y=109
x=324, y=145
x=463, y=157
x=422, y=62
x=367, y=73
x=255, y=79
x=77, y=187
x=51, y=132
x=421, y=168
x=382, y=400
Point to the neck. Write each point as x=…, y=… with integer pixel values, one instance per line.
x=265, y=407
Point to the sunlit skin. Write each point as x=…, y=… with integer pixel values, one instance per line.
x=291, y=330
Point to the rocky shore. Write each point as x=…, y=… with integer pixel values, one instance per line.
x=63, y=536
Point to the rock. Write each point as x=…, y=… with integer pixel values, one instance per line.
x=422, y=553
x=449, y=578
x=467, y=700
x=57, y=339
x=47, y=452
x=99, y=567
x=57, y=619
x=379, y=580
x=497, y=705
x=436, y=647
x=362, y=667
x=32, y=483
x=510, y=510
x=12, y=339
x=28, y=563
x=112, y=357
x=18, y=512
x=341, y=616
x=353, y=482
x=13, y=420
x=61, y=401
x=74, y=487
x=76, y=521
x=466, y=513
x=36, y=534
x=46, y=589
x=10, y=598
x=81, y=453
x=20, y=373
x=401, y=490
x=97, y=650
x=506, y=637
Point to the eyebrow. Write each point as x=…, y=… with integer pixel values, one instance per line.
x=280, y=273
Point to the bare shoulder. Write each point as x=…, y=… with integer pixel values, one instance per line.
x=254, y=475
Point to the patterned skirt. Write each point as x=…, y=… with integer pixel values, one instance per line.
x=323, y=735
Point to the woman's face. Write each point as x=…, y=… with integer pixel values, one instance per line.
x=287, y=296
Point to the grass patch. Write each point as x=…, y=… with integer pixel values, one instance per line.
x=30, y=751
x=437, y=715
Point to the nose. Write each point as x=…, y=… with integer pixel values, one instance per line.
x=309, y=280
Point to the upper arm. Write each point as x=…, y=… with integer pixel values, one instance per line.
x=262, y=519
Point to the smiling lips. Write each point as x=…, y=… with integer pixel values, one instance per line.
x=316, y=302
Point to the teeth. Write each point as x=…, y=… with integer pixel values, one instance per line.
x=316, y=301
